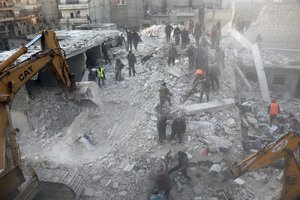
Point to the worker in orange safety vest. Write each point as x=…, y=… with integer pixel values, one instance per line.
x=273, y=110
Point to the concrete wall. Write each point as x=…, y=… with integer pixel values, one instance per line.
x=129, y=15
x=99, y=11
x=50, y=12
x=279, y=26
x=290, y=78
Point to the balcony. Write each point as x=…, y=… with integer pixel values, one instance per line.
x=82, y=20
x=7, y=19
x=73, y=6
x=6, y=8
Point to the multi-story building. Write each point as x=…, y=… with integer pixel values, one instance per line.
x=50, y=12
x=78, y=12
x=18, y=19
x=127, y=13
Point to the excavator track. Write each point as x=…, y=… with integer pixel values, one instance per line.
x=59, y=183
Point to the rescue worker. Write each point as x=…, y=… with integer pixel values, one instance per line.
x=136, y=39
x=273, y=111
x=214, y=73
x=163, y=183
x=191, y=26
x=129, y=39
x=164, y=95
x=220, y=57
x=197, y=32
x=118, y=69
x=172, y=55
x=92, y=74
x=161, y=125
x=131, y=63
x=199, y=74
x=100, y=75
x=183, y=164
x=178, y=128
x=190, y=52
x=168, y=30
x=105, y=53
x=215, y=40
x=176, y=34
x=205, y=89
x=184, y=38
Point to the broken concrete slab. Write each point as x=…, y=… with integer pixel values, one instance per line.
x=241, y=39
x=175, y=71
x=213, y=105
x=260, y=73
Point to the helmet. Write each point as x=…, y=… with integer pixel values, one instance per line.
x=199, y=72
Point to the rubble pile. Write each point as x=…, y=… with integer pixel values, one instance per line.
x=115, y=146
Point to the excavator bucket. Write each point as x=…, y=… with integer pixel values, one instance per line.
x=87, y=93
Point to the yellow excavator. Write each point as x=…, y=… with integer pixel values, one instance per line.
x=13, y=182
x=282, y=148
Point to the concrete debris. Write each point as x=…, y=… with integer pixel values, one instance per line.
x=213, y=105
x=115, y=145
x=88, y=192
x=239, y=181
x=215, y=169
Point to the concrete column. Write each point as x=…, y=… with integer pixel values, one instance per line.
x=78, y=65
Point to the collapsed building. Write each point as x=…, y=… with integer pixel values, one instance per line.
x=114, y=147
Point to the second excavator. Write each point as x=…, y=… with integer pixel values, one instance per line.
x=282, y=148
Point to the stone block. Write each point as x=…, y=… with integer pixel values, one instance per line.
x=239, y=181
x=213, y=105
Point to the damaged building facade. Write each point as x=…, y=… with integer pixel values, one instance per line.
x=78, y=12
x=278, y=25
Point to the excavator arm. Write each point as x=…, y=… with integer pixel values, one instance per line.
x=12, y=78
x=282, y=148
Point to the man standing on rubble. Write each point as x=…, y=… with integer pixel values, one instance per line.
x=100, y=75
x=184, y=38
x=131, y=63
x=172, y=55
x=161, y=125
x=273, y=111
x=214, y=73
x=136, y=39
x=198, y=32
x=164, y=95
x=183, y=164
x=205, y=89
x=178, y=128
x=105, y=53
x=168, y=30
x=190, y=52
x=215, y=40
x=177, y=35
x=129, y=38
x=118, y=69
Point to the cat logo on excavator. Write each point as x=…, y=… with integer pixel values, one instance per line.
x=26, y=72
